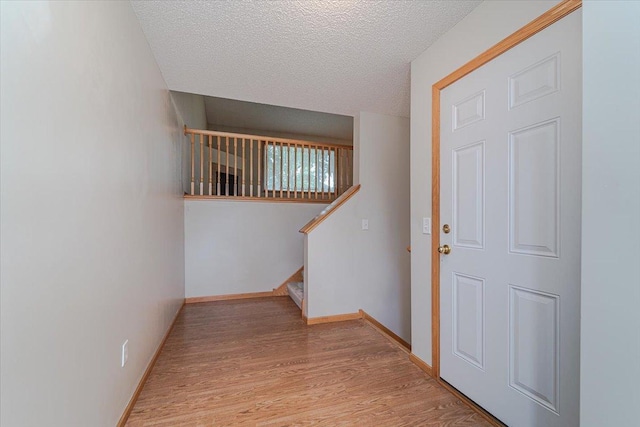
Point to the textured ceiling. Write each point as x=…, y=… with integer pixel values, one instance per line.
x=324, y=55
x=223, y=114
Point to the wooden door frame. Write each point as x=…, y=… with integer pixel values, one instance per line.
x=554, y=14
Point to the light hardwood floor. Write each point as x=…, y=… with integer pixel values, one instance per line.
x=254, y=362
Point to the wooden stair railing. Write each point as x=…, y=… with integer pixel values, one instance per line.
x=298, y=276
x=326, y=212
x=240, y=166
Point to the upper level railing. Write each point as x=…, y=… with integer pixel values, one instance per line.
x=239, y=166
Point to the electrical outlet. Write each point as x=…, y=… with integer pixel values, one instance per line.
x=365, y=224
x=125, y=353
x=426, y=225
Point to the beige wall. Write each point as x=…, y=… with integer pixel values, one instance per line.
x=242, y=247
x=485, y=26
x=91, y=211
x=610, y=328
x=349, y=269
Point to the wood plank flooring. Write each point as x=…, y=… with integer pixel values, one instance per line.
x=256, y=363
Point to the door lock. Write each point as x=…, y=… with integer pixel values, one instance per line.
x=446, y=229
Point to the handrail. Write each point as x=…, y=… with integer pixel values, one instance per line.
x=226, y=165
x=326, y=212
x=263, y=138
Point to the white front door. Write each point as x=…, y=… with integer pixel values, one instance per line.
x=510, y=192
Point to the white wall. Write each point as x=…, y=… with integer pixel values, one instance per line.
x=91, y=211
x=485, y=26
x=275, y=134
x=610, y=329
x=241, y=247
x=331, y=252
x=350, y=269
x=190, y=111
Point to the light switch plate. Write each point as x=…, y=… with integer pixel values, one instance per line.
x=365, y=224
x=426, y=225
x=125, y=353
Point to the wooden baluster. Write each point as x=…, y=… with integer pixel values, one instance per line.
x=275, y=152
x=280, y=150
x=210, y=165
x=281, y=167
x=301, y=147
x=342, y=174
x=288, y=169
x=309, y=191
x=345, y=170
x=201, y=164
x=273, y=187
x=292, y=179
x=251, y=167
x=302, y=168
x=292, y=168
x=349, y=168
x=244, y=167
x=336, y=176
x=265, y=168
x=315, y=172
x=328, y=172
x=340, y=167
x=320, y=172
x=226, y=183
x=309, y=171
x=218, y=173
x=324, y=170
x=295, y=168
x=339, y=171
x=336, y=173
x=235, y=166
x=259, y=167
x=193, y=164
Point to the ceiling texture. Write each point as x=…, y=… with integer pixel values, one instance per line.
x=331, y=56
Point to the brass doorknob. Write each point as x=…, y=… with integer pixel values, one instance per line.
x=446, y=250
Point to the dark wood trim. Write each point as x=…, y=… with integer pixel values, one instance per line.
x=384, y=330
x=136, y=393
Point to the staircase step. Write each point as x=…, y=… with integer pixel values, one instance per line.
x=296, y=292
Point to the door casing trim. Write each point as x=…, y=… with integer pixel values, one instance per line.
x=551, y=16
